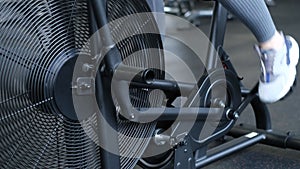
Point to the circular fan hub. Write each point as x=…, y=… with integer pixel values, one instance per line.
x=61, y=88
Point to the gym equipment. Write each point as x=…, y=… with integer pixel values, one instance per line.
x=65, y=86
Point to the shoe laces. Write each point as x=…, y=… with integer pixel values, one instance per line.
x=267, y=59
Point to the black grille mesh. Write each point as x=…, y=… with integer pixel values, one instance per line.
x=33, y=35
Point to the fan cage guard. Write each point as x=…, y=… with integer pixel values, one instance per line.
x=35, y=36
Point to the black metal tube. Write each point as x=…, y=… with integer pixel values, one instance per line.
x=177, y=88
x=96, y=39
x=217, y=34
x=262, y=114
x=183, y=114
x=107, y=116
x=145, y=78
x=272, y=139
x=134, y=74
x=113, y=57
x=293, y=143
x=108, y=159
x=93, y=26
x=248, y=99
x=228, y=148
x=99, y=8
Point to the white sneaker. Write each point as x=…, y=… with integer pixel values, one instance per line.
x=278, y=71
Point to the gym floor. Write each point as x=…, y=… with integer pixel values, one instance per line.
x=285, y=114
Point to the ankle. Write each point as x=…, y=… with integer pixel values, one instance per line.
x=276, y=42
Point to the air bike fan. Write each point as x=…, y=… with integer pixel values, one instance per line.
x=38, y=128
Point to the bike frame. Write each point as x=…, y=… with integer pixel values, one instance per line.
x=184, y=153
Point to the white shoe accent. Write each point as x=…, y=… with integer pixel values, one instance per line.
x=284, y=75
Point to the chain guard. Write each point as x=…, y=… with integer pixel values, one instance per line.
x=218, y=89
x=222, y=86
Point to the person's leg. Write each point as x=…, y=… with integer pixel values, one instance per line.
x=255, y=15
x=279, y=54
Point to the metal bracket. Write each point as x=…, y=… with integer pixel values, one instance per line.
x=184, y=155
x=85, y=86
